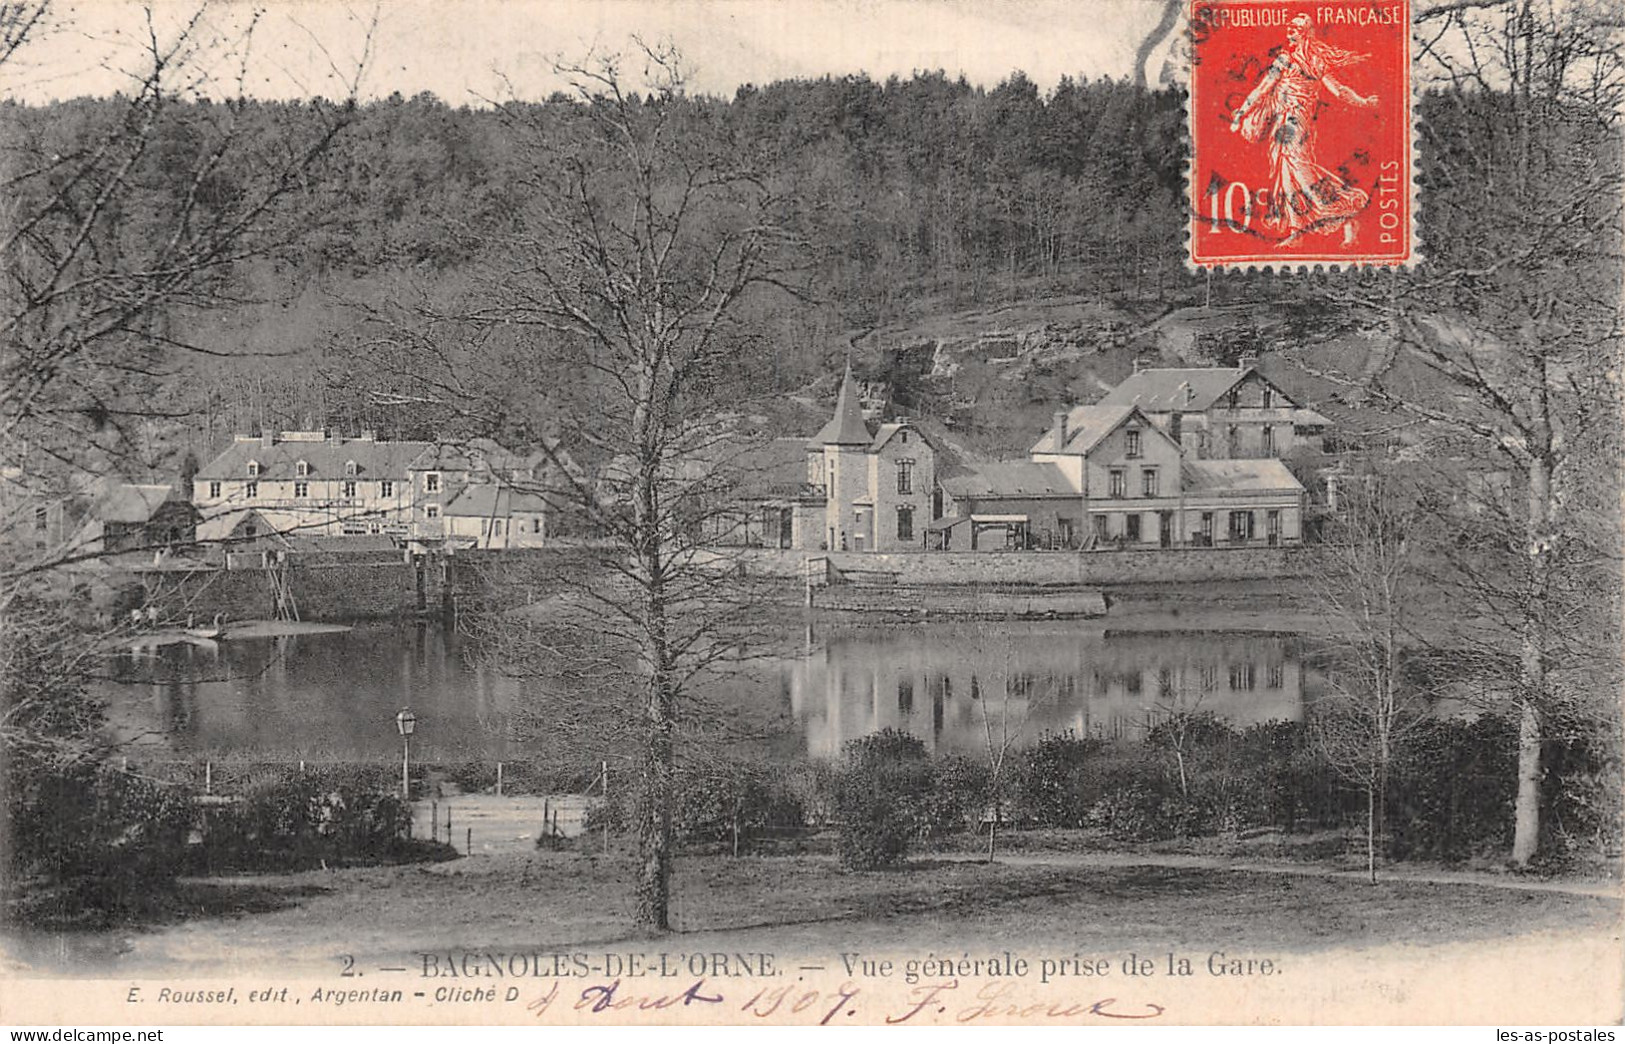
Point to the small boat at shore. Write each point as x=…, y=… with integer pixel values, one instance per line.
x=213, y=633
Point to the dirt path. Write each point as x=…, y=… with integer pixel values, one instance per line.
x=1412, y=875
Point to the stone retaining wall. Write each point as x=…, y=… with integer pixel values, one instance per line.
x=1033, y=568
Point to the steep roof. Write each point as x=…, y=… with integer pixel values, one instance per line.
x=490, y=500
x=128, y=502
x=374, y=460
x=1085, y=427
x=467, y=455
x=846, y=427
x=1163, y=390
x=1009, y=478
x=1265, y=475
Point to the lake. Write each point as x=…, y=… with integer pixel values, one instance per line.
x=323, y=697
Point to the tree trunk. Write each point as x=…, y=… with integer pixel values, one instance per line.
x=1371, y=830
x=654, y=826
x=993, y=827
x=1532, y=679
x=1526, y=811
x=660, y=703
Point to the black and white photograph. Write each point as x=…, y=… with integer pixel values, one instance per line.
x=812, y=512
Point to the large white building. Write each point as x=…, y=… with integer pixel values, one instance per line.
x=310, y=483
x=1169, y=458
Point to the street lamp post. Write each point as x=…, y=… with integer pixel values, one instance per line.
x=406, y=721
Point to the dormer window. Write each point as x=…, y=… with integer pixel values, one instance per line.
x=253, y=469
x=302, y=469
x=350, y=468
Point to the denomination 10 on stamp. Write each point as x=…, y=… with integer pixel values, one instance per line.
x=1301, y=133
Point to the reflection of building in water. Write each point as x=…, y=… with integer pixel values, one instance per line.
x=950, y=685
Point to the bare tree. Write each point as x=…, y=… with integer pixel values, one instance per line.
x=1366, y=589
x=624, y=289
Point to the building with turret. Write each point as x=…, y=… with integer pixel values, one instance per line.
x=876, y=484
x=854, y=486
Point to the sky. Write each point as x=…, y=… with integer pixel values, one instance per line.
x=468, y=51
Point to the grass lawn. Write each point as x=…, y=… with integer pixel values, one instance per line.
x=572, y=900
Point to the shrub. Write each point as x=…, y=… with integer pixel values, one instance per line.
x=719, y=800
x=1451, y=789
x=712, y=799
x=1581, y=814
x=90, y=842
x=1057, y=780
x=883, y=792
x=1282, y=779
x=294, y=821
x=1129, y=813
x=958, y=797
x=1139, y=812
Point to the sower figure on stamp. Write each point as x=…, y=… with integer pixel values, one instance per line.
x=1304, y=196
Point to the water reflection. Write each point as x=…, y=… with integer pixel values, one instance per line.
x=315, y=696
x=949, y=685
x=334, y=696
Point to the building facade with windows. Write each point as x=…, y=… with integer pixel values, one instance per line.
x=1220, y=413
x=305, y=483
x=1110, y=475
x=854, y=486
x=310, y=483
x=876, y=486
x=490, y=516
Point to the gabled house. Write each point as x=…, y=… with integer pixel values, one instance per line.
x=1110, y=475
x=489, y=515
x=1220, y=413
x=127, y=516
x=877, y=485
x=852, y=487
x=439, y=475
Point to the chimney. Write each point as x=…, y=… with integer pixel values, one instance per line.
x=1138, y=364
x=1060, y=429
x=267, y=438
x=1247, y=362
x=369, y=436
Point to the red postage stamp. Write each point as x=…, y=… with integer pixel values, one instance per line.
x=1301, y=135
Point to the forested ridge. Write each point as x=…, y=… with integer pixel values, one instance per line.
x=909, y=198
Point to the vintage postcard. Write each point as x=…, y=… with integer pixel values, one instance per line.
x=813, y=513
